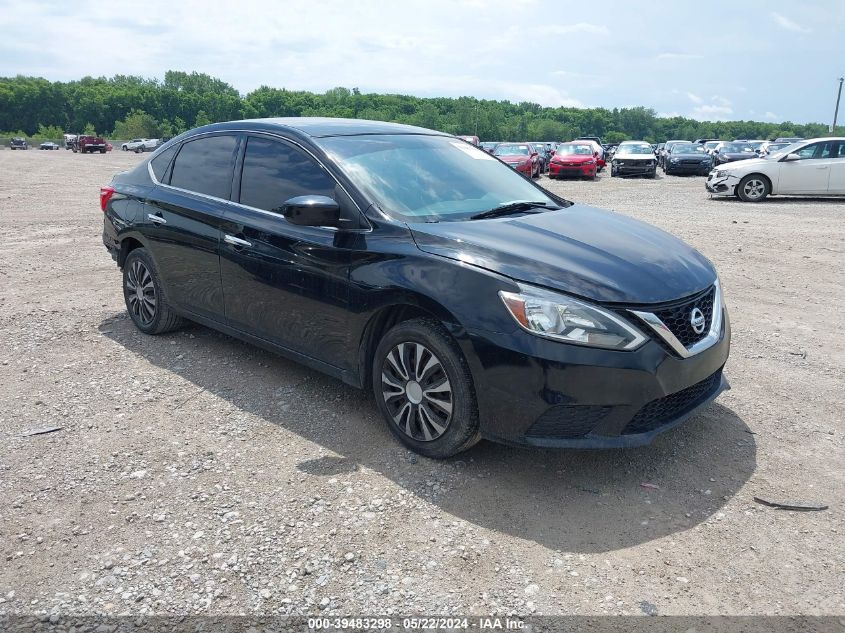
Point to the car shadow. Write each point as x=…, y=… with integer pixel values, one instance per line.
x=782, y=199
x=567, y=500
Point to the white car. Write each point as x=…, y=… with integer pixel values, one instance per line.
x=140, y=145
x=634, y=158
x=814, y=167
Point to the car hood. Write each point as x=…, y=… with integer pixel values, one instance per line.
x=738, y=155
x=572, y=158
x=513, y=159
x=588, y=252
x=753, y=163
x=627, y=156
x=699, y=156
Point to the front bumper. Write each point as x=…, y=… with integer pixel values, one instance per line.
x=702, y=169
x=577, y=170
x=527, y=170
x=721, y=186
x=533, y=392
x=624, y=168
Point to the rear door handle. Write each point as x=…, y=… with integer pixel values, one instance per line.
x=236, y=241
x=156, y=219
x=822, y=167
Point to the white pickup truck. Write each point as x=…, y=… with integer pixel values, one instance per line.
x=138, y=145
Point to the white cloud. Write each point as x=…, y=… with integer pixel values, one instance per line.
x=580, y=27
x=694, y=98
x=679, y=56
x=771, y=116
x=710, y=112
x=790, y=25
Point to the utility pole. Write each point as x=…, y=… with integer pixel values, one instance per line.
x=836, y=111
x=476, y=110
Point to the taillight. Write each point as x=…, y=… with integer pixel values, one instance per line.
x=105, y=195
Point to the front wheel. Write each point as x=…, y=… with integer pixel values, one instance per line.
x=753, y=188
x=143, y=294
x=424, y=389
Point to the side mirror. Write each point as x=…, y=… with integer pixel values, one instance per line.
x=312, y=211
x=791, y=157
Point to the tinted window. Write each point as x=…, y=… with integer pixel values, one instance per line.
x=205, y=166
x=160, y=162
x=274, y=172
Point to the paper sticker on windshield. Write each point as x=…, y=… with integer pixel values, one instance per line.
x=469, y=150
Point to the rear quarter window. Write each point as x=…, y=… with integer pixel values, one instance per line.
x=161, y=162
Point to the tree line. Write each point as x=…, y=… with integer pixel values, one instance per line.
x=124, y=107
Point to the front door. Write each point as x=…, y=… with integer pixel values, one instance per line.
x=286, y=283
x=810, y=174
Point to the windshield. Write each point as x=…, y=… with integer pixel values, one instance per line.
x=782, y=149
x=711, y=144
x=635, y=148
x=420, y=178
x=736, y=148
x=570, y=150
x=688, y=148
x=512, y=150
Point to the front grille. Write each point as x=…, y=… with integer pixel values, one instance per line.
x=663, y=410
x=567, y=421
x=677, y=317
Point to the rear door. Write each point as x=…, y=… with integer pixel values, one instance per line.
x=182, y=220
x=811, y=173
x=285, y=283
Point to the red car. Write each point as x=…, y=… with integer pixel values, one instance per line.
x=520, y=156
x=573, y=159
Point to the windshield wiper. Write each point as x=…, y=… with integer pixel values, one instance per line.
x=519, y=206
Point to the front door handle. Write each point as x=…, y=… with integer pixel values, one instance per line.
x=156, y=219
x=236, y=241
x=822, y=167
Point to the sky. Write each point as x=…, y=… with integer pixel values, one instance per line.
x=767, y=60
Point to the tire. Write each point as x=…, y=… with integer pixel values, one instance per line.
x=148, y=308
x=653, y=174
x=753, y=188
x=435, y=426
x=102, y=151
x=138, y=150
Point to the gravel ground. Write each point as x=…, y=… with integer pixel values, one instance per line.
x=197, y=474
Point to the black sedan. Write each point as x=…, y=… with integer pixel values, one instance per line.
x=726, y=152
x=688, y=158
x=472, y=302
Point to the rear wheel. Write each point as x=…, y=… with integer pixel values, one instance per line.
x=753, y=188
x=424, y=389
x=143, y=294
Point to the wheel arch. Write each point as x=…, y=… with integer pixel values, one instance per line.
x=397, y=311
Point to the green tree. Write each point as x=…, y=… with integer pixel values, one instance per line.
x=201, y=119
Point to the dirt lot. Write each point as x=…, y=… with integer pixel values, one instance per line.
x=197, y=474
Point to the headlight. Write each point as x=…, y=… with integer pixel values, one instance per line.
x=590, y=162
x=674, y=160
x=562, y=318
x=722, y=173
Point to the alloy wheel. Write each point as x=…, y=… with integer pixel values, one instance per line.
x=417, y=391
x=140, y=293
x=754, y=188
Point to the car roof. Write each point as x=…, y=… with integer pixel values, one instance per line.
x=317, y=127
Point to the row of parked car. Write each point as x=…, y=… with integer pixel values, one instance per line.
x=748, y=169
x=90, y=144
